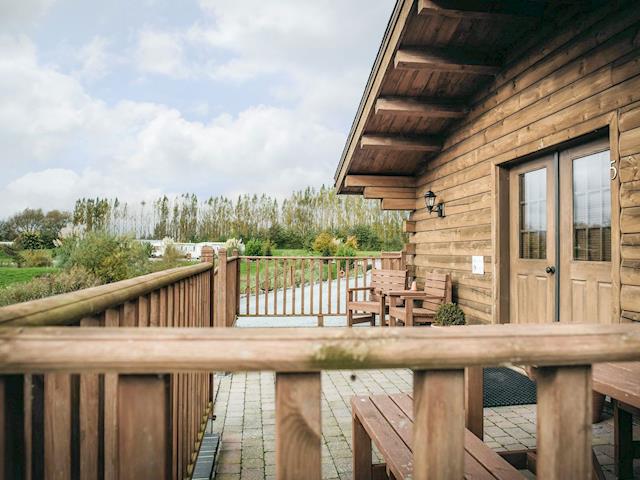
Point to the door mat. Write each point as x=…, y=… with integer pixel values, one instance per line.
x=503, y=387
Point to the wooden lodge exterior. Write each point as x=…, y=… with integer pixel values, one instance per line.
x=523, y=118
x=486, y=104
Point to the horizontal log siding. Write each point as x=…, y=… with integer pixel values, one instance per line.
x=629, y=165
x=559, y=90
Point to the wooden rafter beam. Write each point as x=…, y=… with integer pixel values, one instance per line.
x=417, y=107
x=390, y=192
x=478, y=9
x=444, y=60
x=409, y=248
x=378, y=181
x=399, y=142
x=409, y=226
x=398, y=204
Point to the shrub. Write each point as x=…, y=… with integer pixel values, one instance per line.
x=449, y=314
x=325, y=245
x=108, y=257
x=172, y=254
x=29, y=241
x=36, y=258
x=148, y=249
x=234, y=244
x=267, y=248
x=253, y=248
x=367, y=238
x=345, y=250
x=171, y=258
x=13, y=253
x=352, y=242
x=45, y=286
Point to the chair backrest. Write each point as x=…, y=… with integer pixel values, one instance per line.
x=392, y=261
x=388, y=280
x=437, y=285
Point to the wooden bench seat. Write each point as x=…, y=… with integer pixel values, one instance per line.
x=387, y=421
x=621, y=381
x=366, y=310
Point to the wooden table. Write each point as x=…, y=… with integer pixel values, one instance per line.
x=621, y=382
x=387, y=420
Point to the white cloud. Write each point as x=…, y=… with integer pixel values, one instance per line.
x=160, y=53
x=16, y=14
x=59, y=143
x=57, y=188
x=256, y=149
x=324, y=49
x=39, y=106
x=95, y=58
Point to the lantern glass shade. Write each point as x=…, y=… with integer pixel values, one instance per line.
x=430, y=200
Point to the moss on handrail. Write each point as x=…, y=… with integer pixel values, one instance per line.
x=70, y=307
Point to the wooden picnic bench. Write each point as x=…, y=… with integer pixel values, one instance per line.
x=621, y=382
x=387, y=421
x=382, y=282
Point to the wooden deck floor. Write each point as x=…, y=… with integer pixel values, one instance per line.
x=245, y=411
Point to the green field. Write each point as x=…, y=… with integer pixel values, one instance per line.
x=11, y=275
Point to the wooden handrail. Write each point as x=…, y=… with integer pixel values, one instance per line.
x=148, y=350
x=68, y=308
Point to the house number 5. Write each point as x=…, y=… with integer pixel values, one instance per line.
x=613, y=169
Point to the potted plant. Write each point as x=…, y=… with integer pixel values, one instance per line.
x=449, y=314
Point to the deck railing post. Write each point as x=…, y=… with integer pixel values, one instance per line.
x=473, y=405
x=564, y=422
x=438, y=428
x=236, y=281
x=221, y=307
x=298, y=426
x=144, y=427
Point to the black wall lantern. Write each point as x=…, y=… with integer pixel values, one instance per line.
x=430, y=202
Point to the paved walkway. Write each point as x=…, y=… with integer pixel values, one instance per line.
x=245, y=416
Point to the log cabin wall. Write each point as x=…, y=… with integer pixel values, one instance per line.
x=577, y=76
x=587, y=84
x=629, y=173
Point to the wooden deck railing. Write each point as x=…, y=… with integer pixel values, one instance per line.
x=226, y=289
x=297, y=286
x=561, y=354
x=87, y=425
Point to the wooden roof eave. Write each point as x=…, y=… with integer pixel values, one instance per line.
x=384, y=58
x=399, y=148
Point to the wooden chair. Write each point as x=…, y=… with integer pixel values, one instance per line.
x=382, y=282
x=437, y=290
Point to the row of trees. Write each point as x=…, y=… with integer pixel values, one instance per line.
x=33, y=229
x=291, y=223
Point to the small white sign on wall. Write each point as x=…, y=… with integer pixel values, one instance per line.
x=477, y=265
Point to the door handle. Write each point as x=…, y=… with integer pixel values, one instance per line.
x=550, y=270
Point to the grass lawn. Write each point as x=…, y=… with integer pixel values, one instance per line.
x=5, y=260
x=10, y=275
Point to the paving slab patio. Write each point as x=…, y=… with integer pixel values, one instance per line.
x=245, y=418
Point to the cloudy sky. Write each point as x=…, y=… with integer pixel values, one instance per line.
x=138, y=98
